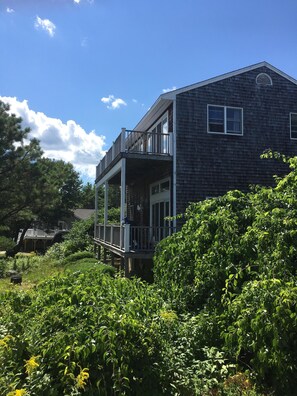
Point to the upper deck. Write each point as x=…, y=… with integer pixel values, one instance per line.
x=135, y=144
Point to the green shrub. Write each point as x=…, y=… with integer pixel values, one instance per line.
x=79, y=237
x=78, y=256
x=6, y=244
x=88, y=264
x=3, y=267
x=235, y=259
x=56, y=252
x=262, y=323
x=87, y=321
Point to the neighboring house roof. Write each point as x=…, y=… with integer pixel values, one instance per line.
x=83, y=214
x=165, y=99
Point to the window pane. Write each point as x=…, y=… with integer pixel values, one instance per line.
x=234, y=121
x=294, y=126
x=216, y=119
x=155, y=189
x=165, y=126
x=165, y=186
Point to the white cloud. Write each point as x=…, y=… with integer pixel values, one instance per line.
x=45, y=24
x=79, y=1
x=9, y=10
x=165, y=90
x=112, y=102
x=67, y=141
x=84, y=42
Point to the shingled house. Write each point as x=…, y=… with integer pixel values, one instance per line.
x=195, y=142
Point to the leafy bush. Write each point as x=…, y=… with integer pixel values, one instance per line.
x=80, y=323
x=87, y=333
x=236, y=258
x=79, y=237
x=3, y=267
x=6, y=244
x=56, y=252
x=262, y=331
x=78, y=256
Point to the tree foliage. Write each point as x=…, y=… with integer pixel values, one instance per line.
x=87, y=196
x=31, y=187
x=18, y=158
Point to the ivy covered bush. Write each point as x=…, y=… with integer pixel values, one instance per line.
x=235, y=259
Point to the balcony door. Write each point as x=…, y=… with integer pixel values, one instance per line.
x=158, y=138
x=160, y=209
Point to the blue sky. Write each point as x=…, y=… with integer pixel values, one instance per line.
x=79, y=70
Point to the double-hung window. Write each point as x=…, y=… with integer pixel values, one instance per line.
x=223, y=119
x=293, y=125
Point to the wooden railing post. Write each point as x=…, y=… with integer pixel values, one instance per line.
x=126, y=237
x=111, y=234
x=170, y=136
x=123, y=140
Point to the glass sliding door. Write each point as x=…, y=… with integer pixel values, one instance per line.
x=160, y=210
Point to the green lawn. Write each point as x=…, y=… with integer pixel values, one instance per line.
x=37, y=269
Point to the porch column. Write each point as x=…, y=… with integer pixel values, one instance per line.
x=105, y=207
x=123, y=198
x=96, y=212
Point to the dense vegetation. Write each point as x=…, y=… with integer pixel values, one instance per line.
x=234, y=262
x=220, y=319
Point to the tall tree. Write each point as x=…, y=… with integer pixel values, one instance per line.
x=18, y=157
x=31, y=187
x=87, y=199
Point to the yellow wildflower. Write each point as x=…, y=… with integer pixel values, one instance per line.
x=168, y=316
x=4, y=342
x=18, y=392
x=31, y=365
x=82, y=377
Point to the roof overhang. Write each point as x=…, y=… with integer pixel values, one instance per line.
x=164, y=100
x=157, y=109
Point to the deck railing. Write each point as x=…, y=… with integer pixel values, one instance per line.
x=128, y=238
x=136, y=142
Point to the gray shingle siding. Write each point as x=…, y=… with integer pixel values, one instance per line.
x=211, y=164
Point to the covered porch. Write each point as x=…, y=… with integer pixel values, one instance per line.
x=142, y=170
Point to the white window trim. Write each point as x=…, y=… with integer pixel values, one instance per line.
x=165, y=115
x=266, y=75
x=158, y=197
x=292, y=113
x=225, y=120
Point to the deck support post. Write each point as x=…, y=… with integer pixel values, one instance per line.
x=122, y=263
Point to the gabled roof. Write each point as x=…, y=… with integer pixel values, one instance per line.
x=165, y=99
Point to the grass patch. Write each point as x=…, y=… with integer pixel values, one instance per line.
x=87, y=264
x=35, y=270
